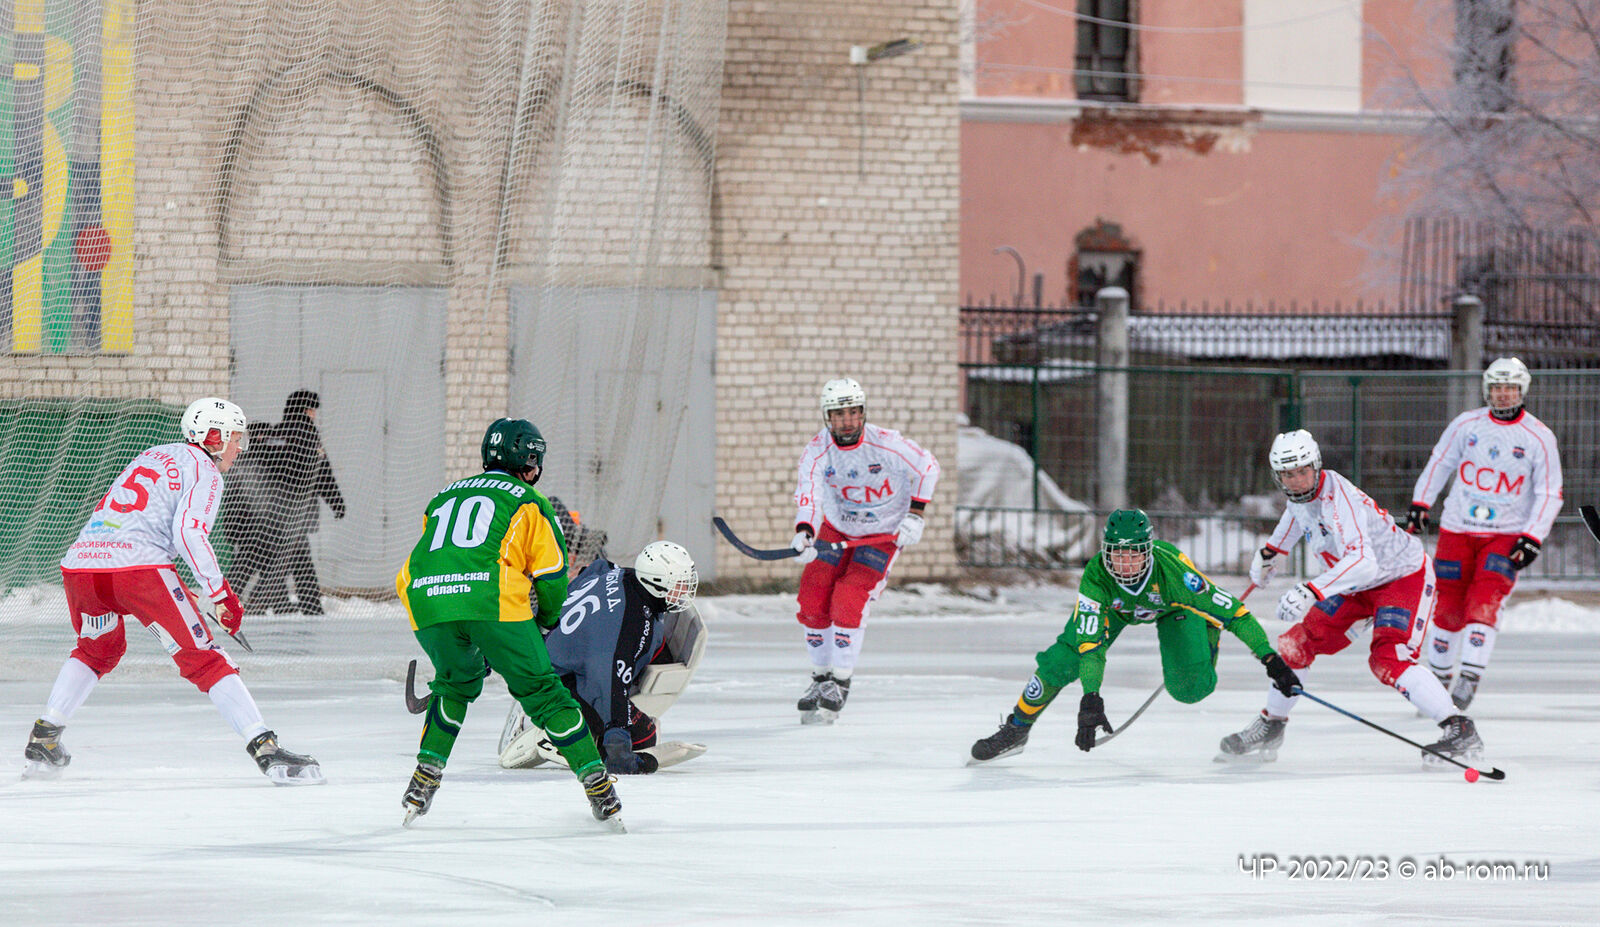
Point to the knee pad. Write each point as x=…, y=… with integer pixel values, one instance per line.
x=1192, y=683
x=1388, y=660
x=1294, y=645
x=814, y=622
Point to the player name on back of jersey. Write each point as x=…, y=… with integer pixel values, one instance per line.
x=450, y=583
x=489, y=482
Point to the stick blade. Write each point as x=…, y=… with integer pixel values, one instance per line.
x=1495, y=774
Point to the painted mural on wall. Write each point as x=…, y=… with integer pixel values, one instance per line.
x=66, y=172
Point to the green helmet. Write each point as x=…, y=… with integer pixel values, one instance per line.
x=513, y=445
x=1127, y=530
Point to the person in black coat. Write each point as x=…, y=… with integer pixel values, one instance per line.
x=296, y=474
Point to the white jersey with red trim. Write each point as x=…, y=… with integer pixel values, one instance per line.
x=866, y=488
x=1507, y=475
x=160, y=507
x=1357, y=543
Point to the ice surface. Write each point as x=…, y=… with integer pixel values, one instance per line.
x=162, y=818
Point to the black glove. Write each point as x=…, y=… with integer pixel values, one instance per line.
x=1091, y=715
x=1524, y=551
x=1283, y=678
x=620, y=758
x=1417, y=518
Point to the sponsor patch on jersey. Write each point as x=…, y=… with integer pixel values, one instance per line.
x=1481, y=512
x=177, y=593
x=198, y=630
x=1494, y=451
x=1472, y=440
x=828, y=472
x=875, y=468
x=1194, y=582
x=1116, y=604
x=1086, y=604
x=854, y=473
x=1518, y=452
x=1140, y=613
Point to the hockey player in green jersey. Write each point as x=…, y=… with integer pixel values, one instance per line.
x=489, y=571
x=1135, y=580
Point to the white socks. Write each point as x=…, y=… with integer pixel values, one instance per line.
x=1440, y=646
x=73, y=684
x=237, y=707
x=1422, y=689
x=1278, y=704
x=834, y=649
x=817, y=649
x=1479, y=645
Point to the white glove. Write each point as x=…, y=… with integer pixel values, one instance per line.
x=1295, y=603
x=1263, y=566
x=805, y=544
x=910, y=530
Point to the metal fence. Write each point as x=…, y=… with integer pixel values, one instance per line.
x=1197, y=441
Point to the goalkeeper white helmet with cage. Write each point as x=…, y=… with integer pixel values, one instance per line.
x=667, y=571
x=211, y=423
x=1507, y=371
x=843, y=393
x=1291, y=451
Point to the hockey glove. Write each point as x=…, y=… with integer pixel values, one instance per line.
x=1417, y=518
x=804, y=543
x=1091, y=715
x=1296, y=602
x=910, y=530
x=1263, y=566
x=1283, y=678
x=1523, y=551
x=230, y=614
x=620, y=758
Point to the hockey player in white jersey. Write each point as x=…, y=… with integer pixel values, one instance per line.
x=857, y=480
x=1370, y=569
x=121, y=565
x=1506, y=495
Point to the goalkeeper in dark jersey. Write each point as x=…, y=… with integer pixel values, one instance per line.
x=1135, y=580
x=489, y=571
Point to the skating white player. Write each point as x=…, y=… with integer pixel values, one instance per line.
x=161, y=506
x=1506, y=496
x=1371, y=569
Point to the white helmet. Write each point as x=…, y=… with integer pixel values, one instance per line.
x=213, y=422
x=843, y=393
x=667, y=571
x=1507, y=370
x=1291, y=451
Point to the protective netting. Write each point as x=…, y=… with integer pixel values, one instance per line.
x=375, y=226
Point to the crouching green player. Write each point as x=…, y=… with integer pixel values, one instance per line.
x=1135, y=580
x=488, y=542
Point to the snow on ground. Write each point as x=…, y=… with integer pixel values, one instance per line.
x=163, y=820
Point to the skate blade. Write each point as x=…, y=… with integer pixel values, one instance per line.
x=974, y=761
x=33, y=769
x=306, y=775
x=614, y=824
x=818, y=716
x=1433, y=763
x=411, y=817
x=1255, y=756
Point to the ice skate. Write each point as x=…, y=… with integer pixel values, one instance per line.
x=831, y=699
x=1010, y=739
x=281, y=766
x=1465, y=688
x=603, y=801
x=808, y=702
x=419, y=794
x=44, y=753
x=1460, y=742
x=1257, y=743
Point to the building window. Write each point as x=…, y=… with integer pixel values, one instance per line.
x=1103, y=255
x=1485, y=34
x=1105, y=64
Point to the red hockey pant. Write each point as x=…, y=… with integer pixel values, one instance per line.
x=1475, y=576
x=100, y=601
x=838, y=586
x=1400, y=611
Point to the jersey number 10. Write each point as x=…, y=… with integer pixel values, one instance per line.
x=471, y=522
